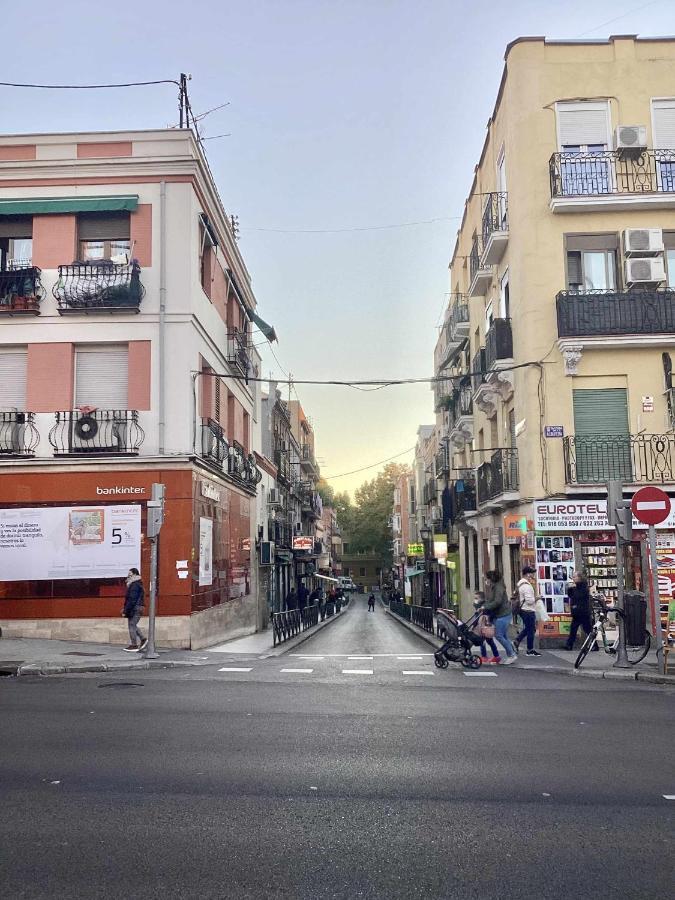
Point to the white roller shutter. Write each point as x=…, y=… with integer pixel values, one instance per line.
x=13, y=366
x=664, y=124
x=102, y=377
x=583, y=123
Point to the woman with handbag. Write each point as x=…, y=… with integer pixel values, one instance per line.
x=486, y=630
x=527, y=610
x=498, y=606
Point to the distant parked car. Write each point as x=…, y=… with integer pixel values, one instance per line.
x=346, y=583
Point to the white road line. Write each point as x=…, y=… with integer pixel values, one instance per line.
x=302, y=671
x=669, y=796
x=359, y=657
x=297, y=656
x=481, y=674
x=233, y=669
x=413, y=672
x=357, y=671
x=409, y=657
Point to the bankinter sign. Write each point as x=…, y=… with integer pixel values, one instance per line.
x=579, y=515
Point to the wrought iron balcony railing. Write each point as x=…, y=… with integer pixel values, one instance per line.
x=283, y=464
x=499, y=476
x=648, y=458
x=442, y=464
x=92, y=432
x=215, y=446
x=498, y=342
x=21, y=291
x=463, y=493
x=478, y=369
x=238, y=351
x=307, y=458
x=102, y=286
x=474, y=257
x=443, y=394
x=462, y=403
x=611, y=173
x=495, y=214
x=589, y=313
x=18, y=434
x=242, y=466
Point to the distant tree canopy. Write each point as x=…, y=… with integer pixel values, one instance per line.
x=365, y=524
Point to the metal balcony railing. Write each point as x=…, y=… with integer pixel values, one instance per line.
x=215, y=446
x=443, y=393
x=99, y=287
x=21, y=291
x=498, y=476
x=498, y=342
x=475, y=256
x=242, y=467
x=442, y=464
x=102, y=432
x=307, y=457
x=589, y=313
x=495, y=214
x=463, y=494
x=462, y=403
x=648, y=458
x=611, y=173
x=478, y=369
x=18, y=434
x=283, y=463
x=238, y=351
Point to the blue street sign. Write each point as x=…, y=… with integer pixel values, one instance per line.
x=553, y=431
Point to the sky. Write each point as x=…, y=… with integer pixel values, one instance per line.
x=342, y=115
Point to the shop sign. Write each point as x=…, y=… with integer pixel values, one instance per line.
x=580, y=515
x=515, y=527
x=647, y=404
x=415, y=549
x=117, y=490
x=303, y=542
x=205, y=551
x=208, y=491
x=441, y=548
x=554, y=431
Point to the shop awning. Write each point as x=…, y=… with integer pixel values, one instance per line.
x=267, y=330
x=40, y=206
x=326, y=578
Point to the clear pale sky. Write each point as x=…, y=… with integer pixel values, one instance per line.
x=342, y=115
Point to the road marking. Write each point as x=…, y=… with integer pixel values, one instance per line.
x=302, y=671
x=297, y=656
x=413, y=672
x=409, y=657
x=359, y=657
x=669, y=796
x=233, y=669
x=357, y=671
x=481, y=674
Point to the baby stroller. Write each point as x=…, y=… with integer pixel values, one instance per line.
x=460, y=640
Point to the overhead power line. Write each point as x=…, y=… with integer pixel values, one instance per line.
x=88, y=87
x=351, y=228
x=371, y=466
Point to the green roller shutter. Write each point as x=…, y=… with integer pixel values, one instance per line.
x=601, y=435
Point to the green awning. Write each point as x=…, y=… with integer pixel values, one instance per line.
x=267, y=330
x=40, y=206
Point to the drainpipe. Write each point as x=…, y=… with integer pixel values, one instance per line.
x=162, y=313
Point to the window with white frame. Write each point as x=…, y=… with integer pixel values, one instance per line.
x=13, y=369
x=102, y=377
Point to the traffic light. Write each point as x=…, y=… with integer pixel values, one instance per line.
x=156, y=510
x=624, y=521
x=614, y=499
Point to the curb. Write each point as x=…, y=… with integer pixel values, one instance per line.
x=610, y=674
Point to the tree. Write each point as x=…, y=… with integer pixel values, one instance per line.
x=371, y=527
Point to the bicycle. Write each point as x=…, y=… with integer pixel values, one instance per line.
x=635, y=653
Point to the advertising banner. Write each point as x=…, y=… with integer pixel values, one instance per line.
x=59, y=542
x=205, y=551
x=580, y=515
x=303, y=542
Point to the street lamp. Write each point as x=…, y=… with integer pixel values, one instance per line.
x=425, y=534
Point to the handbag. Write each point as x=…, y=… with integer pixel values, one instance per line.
x=540, y=611
x=485, y=627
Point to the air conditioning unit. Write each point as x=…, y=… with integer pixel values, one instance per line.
x=645, y=270
x=274, y=497
x=642, y=241
x=89, y=433
x=630, y=140
x=267, y=553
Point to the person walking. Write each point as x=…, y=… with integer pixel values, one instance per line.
x=581, y=609
x=486, y=630
x=291, y=599
x=527, y=606
x=134, y=599
x=371, y=603
x=498, y=605
x=303, y=594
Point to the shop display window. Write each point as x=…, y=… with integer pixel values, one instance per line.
x=555, y=568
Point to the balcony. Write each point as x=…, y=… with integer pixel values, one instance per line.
x=495, y=227
x=611, y=180
x=21, y=291
x=241, y=466
x=463, y=494
x=310, y=504
x=636, y=459
x=215, y=446
x=496, y=383
x=281, y=533
x=442, y=394
x=481, y=273
x=454, y=333
x=498, y=343
x=99, y=287
x=98, y=432
x=307, y=460
x=497, y=480
x=442, y=463
x=430, y=492
x=460, y=426
x=18, y=435
x=602, y=314
x=283, y=464
x=238, y=352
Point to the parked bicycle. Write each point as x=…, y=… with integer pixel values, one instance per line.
x=601, y=612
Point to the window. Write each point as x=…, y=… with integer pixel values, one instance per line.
x=104, y=236
x=13, y=367
x=592, y=262
x=583, y=132
x=504, y=297
x=669, y=244
x=362, y=572
x=663, y=119
x=346, y=570
x=16, y=242
x=601, y=435
x=102, y=377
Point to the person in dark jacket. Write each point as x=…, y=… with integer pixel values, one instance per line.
x=581, y=609
x=498, y=607
x=303, y=594
x=134, y=600
x=291, y=599
x=371, y=603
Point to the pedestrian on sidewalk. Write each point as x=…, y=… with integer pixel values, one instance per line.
x=581, y=609
x=486, y=629
x=527, y=610
x=371, y=603
x=498, y=605
x=291, y=601
x=134, y=600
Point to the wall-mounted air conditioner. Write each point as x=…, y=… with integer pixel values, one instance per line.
x=630, y=140
x=645, y=270
x=267, y=553
x=642, y=240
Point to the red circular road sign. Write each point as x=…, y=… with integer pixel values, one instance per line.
x=650, y=505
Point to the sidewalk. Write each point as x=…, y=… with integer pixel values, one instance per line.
x=561, y=662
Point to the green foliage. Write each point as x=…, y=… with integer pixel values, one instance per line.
x=369, y=529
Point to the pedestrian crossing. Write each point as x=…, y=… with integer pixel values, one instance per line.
x=350, y=667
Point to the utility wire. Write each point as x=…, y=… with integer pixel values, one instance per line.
x=616, y=18
x=350, y=229
x=372, y=466
x=88, y=87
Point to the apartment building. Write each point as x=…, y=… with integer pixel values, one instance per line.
x=554, y=361
x=126, y=311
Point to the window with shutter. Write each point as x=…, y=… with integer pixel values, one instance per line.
x=601, y=435
x=663, y=119
x=13, y=368
x=105, y=236
x=102, y=377
x=583, y=124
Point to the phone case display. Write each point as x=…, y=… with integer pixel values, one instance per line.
x=555, y=568
x=600, y=566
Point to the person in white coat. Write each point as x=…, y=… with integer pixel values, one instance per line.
x=527, y=610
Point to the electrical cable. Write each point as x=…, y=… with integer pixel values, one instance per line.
x=350, y=229
x=372, y=466
x=616, y=18
x=88, y=87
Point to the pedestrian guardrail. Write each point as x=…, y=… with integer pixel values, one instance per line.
x=423, y=616
x=400, y=609
x=292, y=622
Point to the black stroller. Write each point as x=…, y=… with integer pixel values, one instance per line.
x=460, y=638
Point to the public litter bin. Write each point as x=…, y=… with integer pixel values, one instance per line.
x=635, y=618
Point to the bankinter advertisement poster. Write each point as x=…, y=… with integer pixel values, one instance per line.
x=44, y=543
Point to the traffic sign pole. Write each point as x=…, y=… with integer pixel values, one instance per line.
x=652, y=506
x=655, y=605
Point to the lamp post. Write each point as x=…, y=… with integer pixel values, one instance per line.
x=425, y=534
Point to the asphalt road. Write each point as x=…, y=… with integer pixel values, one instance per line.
x=323, y=784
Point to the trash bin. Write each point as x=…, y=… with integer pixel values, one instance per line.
x=635, y=619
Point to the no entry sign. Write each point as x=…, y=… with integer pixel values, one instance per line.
x=651, y=505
